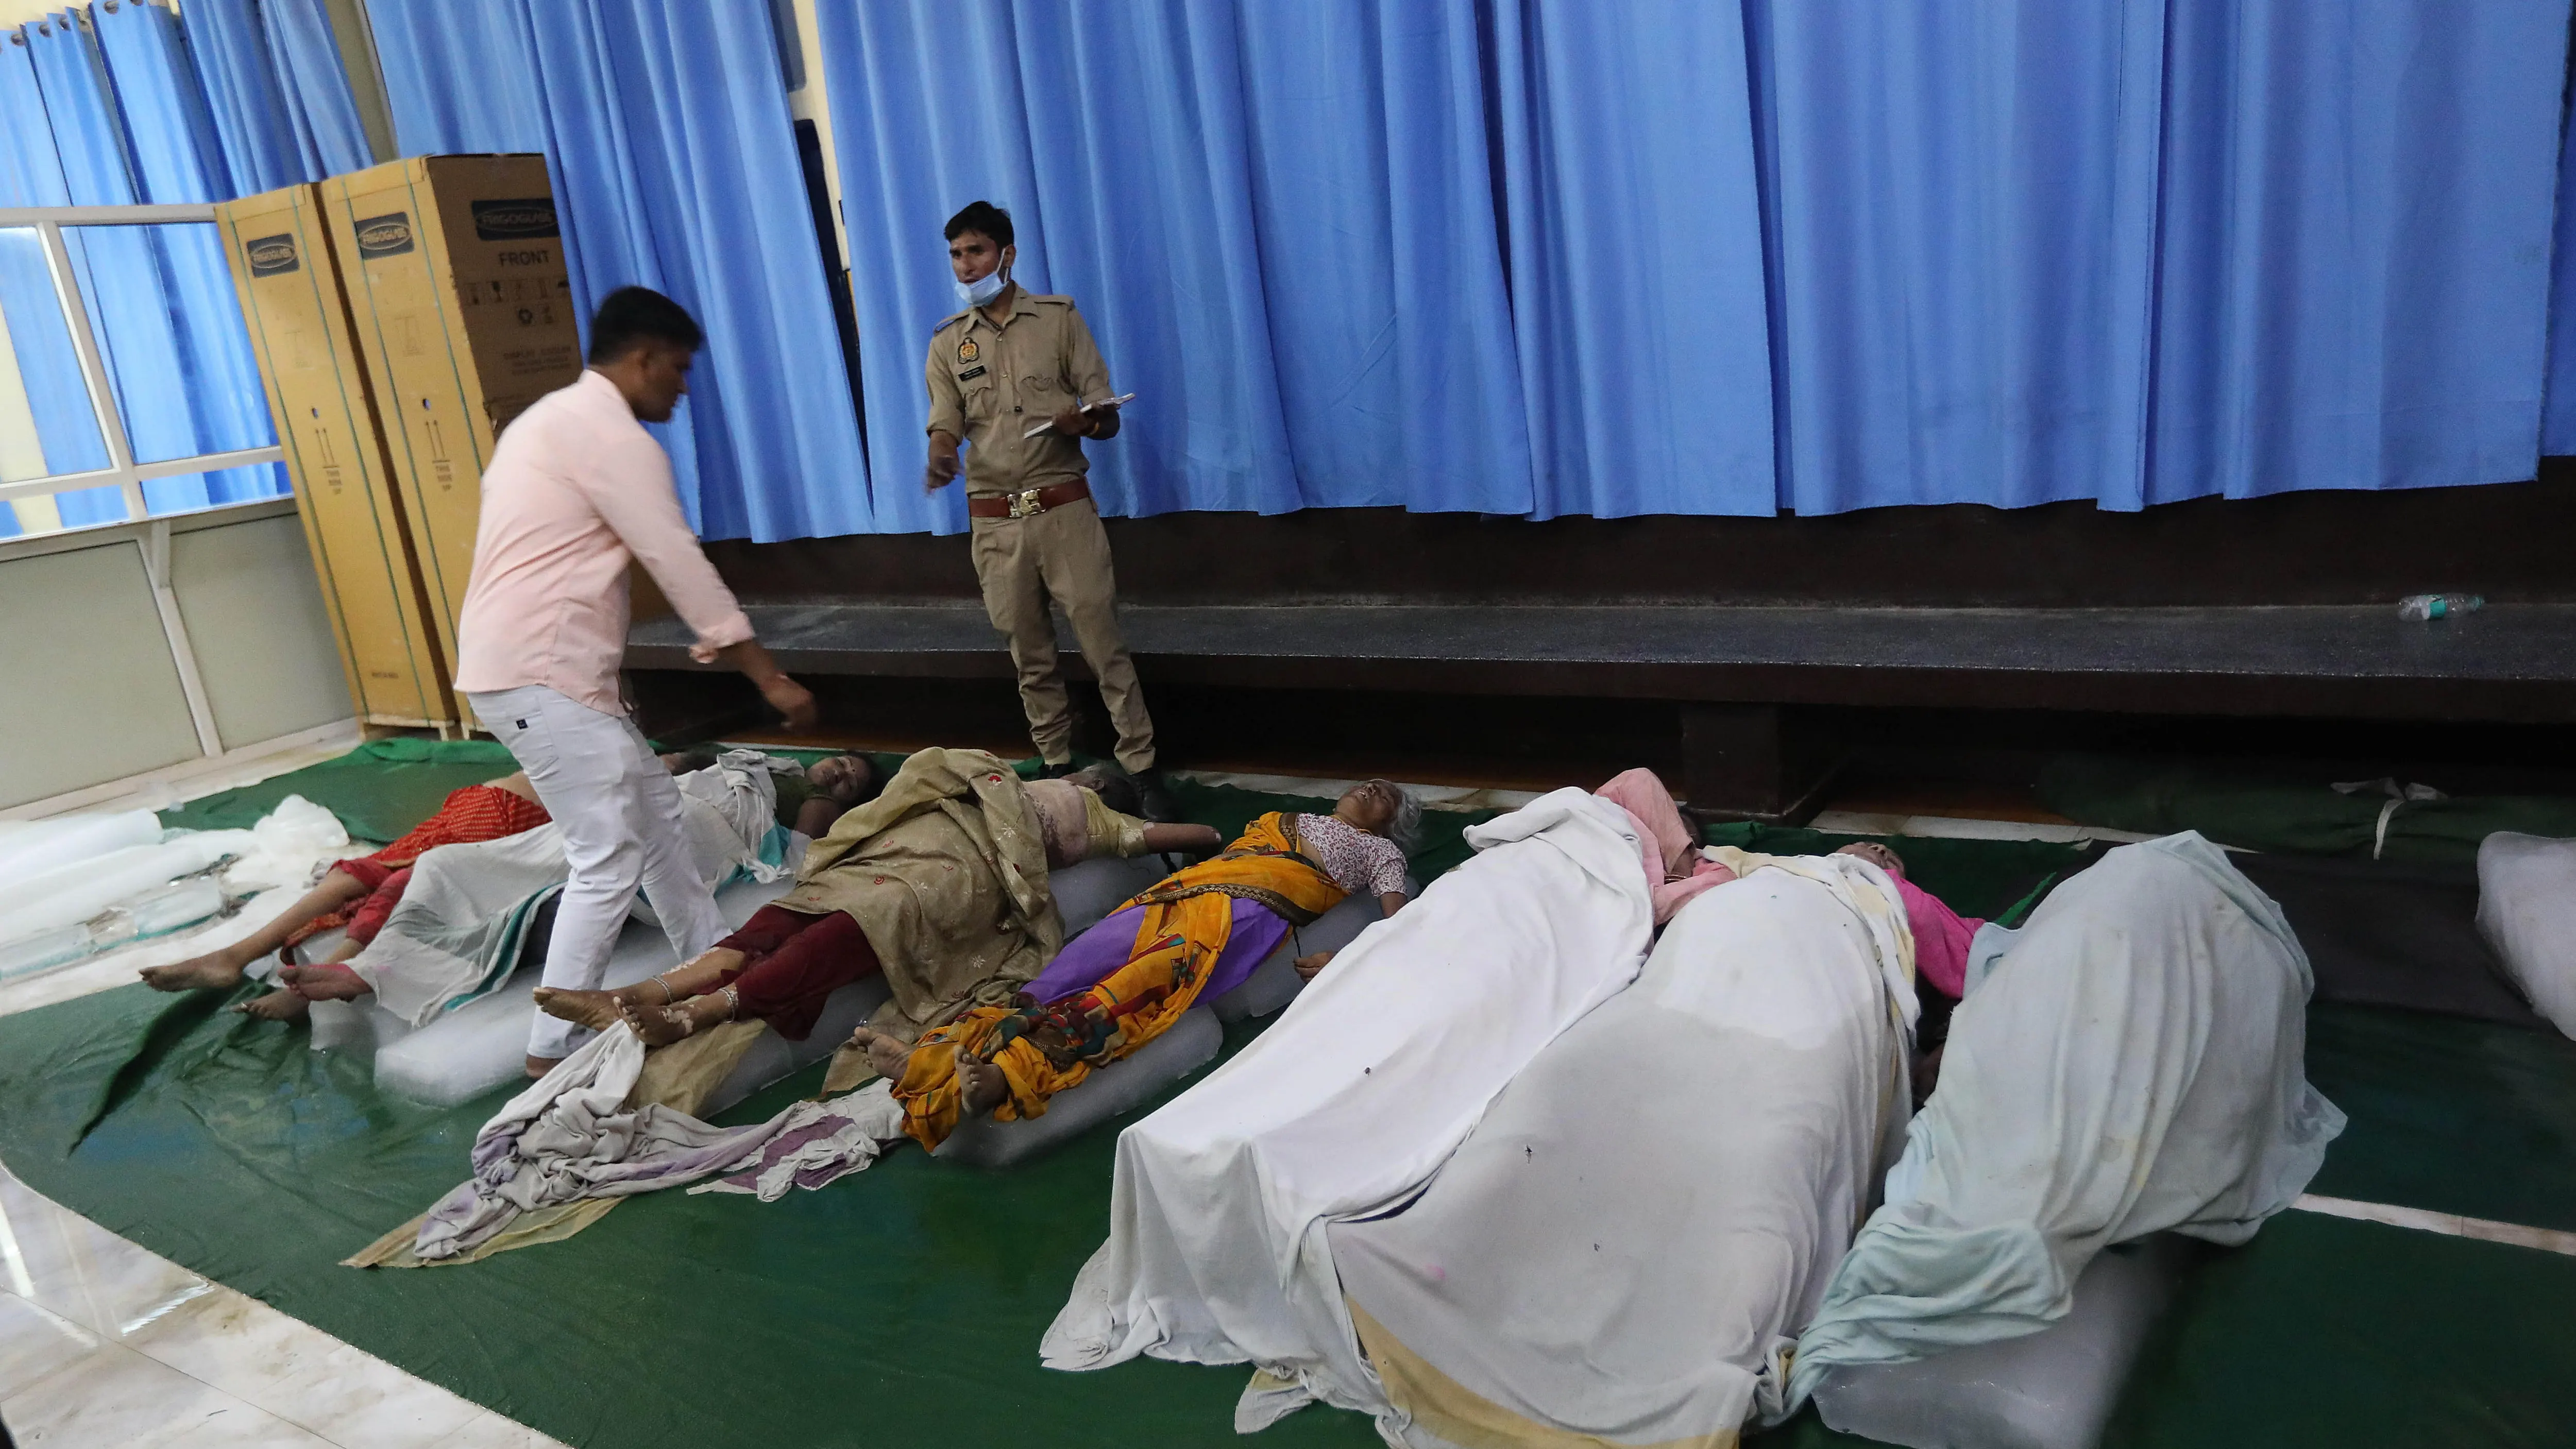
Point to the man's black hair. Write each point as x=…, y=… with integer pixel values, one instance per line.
x=631, y=316
x=981, y=216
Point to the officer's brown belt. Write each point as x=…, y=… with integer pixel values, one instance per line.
x=1027, y=502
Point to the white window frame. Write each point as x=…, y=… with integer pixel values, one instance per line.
x=122, y=472
x=149, y=532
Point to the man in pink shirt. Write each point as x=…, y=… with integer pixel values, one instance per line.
x=577, y=489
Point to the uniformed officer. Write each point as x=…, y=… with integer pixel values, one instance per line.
x=1008, y=363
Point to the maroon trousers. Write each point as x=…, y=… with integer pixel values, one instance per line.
x=791, y=961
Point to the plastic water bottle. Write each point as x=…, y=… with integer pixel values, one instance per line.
x=2420, y=607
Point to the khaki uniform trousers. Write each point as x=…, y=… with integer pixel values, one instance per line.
x=1062, y=555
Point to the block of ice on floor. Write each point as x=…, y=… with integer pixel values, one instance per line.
x=484, y=1043
x=1114, y=1089
x=357, y=1028
x=2527, y=913
x=29, y=846
x=1092, y=889
x=63, y=895
x=774, y=1056
x=2054, y=1389
x=1273, y=984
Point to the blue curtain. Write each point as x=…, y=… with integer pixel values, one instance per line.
x=1957, y=201
x=460, y=76
x=114, y=118
x=280, y=100
x=1636, y=256
x=1278, y=220
x=134, y=127
x=32, y=175
x=2353, y=244
x=2558, y=418
x=665, y=125
x=2158, y=249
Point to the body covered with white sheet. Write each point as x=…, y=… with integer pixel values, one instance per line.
x=463, y=923
x=2133, y=1063
x=1216, y=1250
x=1623, y=1248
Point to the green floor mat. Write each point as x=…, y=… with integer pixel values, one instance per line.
x=902, y=1306
x=379, y=790
x=2450, y=1114
x=2272, y=810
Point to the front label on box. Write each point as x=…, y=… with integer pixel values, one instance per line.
x=384, y=236
x=522, y=220
x=271, y=255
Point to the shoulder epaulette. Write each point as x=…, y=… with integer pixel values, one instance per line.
x=947, y=322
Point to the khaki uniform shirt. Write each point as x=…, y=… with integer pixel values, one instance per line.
x=991, y=383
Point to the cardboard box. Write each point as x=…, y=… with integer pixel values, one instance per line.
x=300, y=327
x=464, y=310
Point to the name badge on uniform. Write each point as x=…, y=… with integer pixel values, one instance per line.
x=970, y=374
x=966, y=350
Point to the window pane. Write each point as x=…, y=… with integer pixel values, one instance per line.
x=51, y=513
x=46, y=426
x=190, y=491
x=178, y=357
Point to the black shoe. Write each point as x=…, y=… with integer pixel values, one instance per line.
x=1057, y=772
x=1154, y=800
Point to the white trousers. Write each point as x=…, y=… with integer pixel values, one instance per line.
x=620, y=814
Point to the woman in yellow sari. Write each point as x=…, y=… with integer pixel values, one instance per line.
x=1192, y=936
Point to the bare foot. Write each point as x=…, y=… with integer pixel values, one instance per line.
x=982, y=1085
x=216, y=970
x=597, y=1010
x=655, y=1025
x=279, y=1005
x=539, y=1066
x=325, y=983
x=886, y=1054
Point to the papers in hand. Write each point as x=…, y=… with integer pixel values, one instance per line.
x=1121, y=400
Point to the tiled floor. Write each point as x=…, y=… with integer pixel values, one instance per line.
x=106, y=1346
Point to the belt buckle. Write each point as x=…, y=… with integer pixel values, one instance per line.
x=1024, y=504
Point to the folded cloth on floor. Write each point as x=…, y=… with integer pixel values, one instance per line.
x=590, y=1130
x=1345, y=1106
x=2132, y=1063
x=463, y=922
x=1622, y=1248
x=815, y=1144
x=573, y=1134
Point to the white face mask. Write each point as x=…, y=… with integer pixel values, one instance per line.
x=981, y=291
